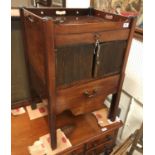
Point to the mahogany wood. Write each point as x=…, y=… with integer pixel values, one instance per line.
x=83, y=27
x=113, y=52
x=110, y=16
x=52, y=12
x=48, y=28
x=116, y=97
x=88, y=38
x=32, y=92
x=62, y=52
x=75, y=99
x=71, y=63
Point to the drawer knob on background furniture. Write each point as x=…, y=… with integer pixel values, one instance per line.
x=95, y=144
x=109, y=137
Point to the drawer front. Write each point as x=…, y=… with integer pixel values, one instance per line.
x=104, y=139
x=78, y=151
x=88, y=38
x=74, y=63
x=90, y=27
x=86, y=97
x=106, y=148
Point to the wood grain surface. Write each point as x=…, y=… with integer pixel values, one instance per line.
x=86, y=132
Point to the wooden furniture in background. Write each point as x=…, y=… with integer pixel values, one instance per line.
x=86, y=138
x=122, y=149
x=138, y=34
x=132, y=143
x=76, y=58
x=138, y=141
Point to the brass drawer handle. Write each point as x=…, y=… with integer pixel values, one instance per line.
x=90, y=95
x=109, y=137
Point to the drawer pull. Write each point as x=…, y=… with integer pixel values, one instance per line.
x=109, y=138
x=90, y=95
x=94, y=144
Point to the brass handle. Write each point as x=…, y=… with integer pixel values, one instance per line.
x=109, y=137
x=90, y=95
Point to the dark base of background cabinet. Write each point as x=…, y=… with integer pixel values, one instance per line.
x=19, y=80
x=86, y=136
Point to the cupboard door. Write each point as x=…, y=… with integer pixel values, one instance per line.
x=110, y=58
x=74, y=63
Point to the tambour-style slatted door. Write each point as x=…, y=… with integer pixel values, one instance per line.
x=110, y=58
x=74, y=63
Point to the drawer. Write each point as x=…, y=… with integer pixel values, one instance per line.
x=101, y=140
x=86, y=97
x=78, y=151
x=88, y=38
x=106, y=148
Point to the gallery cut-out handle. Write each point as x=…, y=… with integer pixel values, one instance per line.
x=60, y=12
x=110, y=17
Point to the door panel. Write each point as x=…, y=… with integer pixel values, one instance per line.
x=74, y=63
x=110, y=58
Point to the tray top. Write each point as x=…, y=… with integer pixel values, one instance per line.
x=71, y=20
x=76, y=16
